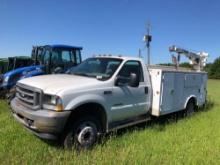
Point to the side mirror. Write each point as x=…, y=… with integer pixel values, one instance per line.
x=124, y=81
x=134, y=82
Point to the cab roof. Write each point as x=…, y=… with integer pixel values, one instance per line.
x=118, y=57
x=64, y=46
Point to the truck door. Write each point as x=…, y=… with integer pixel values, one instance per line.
x=130, y=102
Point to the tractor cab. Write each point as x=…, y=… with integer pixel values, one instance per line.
x=56, y=58
x=48, y=59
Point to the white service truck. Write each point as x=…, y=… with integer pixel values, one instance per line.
x=102, y=94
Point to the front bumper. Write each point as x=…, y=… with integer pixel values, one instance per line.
x=45, y=124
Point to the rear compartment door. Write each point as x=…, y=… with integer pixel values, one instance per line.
x=167, y=96
x=178, y=91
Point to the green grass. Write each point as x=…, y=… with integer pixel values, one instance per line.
x=194, y=140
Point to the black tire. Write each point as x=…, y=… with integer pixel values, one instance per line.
x=83, y=133
x=190, y=108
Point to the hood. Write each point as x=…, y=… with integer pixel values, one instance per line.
x=20, y=70
x=54, y=83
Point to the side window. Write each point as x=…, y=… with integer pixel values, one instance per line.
x=46, y=56
x=78, y=57
x=55, y=56
x=66, y=56
x=132, y=67
x=73, y=59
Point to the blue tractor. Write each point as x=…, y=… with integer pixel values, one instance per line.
x=48, y=59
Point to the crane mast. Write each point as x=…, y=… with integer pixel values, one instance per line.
x=197, y=60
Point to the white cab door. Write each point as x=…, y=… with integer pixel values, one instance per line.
x=130, y=102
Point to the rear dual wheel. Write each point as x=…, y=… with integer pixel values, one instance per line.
x=190, y=108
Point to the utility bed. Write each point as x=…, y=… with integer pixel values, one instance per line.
x=172, y=88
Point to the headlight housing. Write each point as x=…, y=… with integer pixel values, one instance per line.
x=5, y=80
x=52, y=102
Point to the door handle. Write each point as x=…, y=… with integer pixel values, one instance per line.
x=146, y=90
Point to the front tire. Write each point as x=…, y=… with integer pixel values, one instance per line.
x=83, y=134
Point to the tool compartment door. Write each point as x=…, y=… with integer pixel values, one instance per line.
x=167, y=93
x=172, y=97
x=178, y=103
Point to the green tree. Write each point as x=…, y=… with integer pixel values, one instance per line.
x=185, y=65
x=208, y=67
x=214, y=71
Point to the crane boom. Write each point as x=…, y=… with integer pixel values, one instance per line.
x=198, y=60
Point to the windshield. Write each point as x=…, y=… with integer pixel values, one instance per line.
x=100, y=68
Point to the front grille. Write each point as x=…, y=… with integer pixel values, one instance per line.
x=30, y=97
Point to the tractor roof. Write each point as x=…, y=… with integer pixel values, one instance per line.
x=65, y=46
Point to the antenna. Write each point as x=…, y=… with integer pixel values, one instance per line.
x=139, y=53
x=147, y=39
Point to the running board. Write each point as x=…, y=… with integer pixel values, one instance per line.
x=129, y=122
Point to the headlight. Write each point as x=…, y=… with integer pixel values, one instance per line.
x=53, y=102
x=24, y=73
x=5, y=80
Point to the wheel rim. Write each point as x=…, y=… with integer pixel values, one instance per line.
x=86, y=134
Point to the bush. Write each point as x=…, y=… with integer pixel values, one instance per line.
x=214, y=70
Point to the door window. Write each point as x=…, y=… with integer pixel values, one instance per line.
x=46, y=57
x=61, y=56
x=66, y=56
x=132, y=67
x=76, y=57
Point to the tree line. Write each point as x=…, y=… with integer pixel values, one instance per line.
x=213, y=69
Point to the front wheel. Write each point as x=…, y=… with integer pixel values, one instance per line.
x=83, y=134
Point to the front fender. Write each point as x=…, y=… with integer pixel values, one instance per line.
x=83, y=99
x=21, y=73
x=33, y=72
